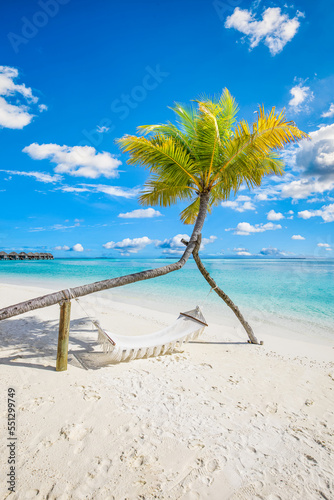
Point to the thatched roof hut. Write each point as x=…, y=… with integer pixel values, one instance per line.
x=3, y=256
x=31, y=256
x=50, y=256
x=23, y=256
x=13, y=256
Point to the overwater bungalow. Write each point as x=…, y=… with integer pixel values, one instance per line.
x=31, y=256
x=23, y=256
x=13, y=256
x=3, y=256
x=50, y=256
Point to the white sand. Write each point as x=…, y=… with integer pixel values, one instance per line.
x=219, y=420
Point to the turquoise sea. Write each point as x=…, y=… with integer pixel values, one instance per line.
x=295, y=293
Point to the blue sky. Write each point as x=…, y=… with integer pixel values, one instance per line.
x=75, y=75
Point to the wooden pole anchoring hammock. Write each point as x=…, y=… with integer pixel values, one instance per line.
x=63, y=338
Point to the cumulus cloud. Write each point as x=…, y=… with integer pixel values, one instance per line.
x=329, y=113
x=16, y=100
x=174, y=246
x=314, y=160
x=78, y=161
x=272, y=252
x=272, y=215
x=128, y=245
x=242, y=251
x=142, y=213
x=38, y=176
x=297, y=237
x=275, y=29
x=325, y=212
x=245, y=229
x=323, y=245
x=77, y=248
x=300, y=95
x=316, y=157
x=64, y=247
x=240, y=204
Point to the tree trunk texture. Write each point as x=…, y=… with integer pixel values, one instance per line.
x=80, y=291
x=219, y=291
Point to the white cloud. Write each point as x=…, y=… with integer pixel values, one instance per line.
x=42, y=107
x=128, y=246
x=15, y=100
x=100, y=188
x=314, y=160
x=242, y=251
x=272, y=215
x=142, y=213
x=102, y=130
x=261, y=197
x=77, y=248
x=300, y=95
x=56, y=227
x=65, y=248
x=297, y=237
x=241, y=204
x=323, y=245
x=174, y=246
x=39, y=176
x=275, y=29
x=303, y=188
x=245, y=229
x=272, y=252
x=113, y=190
x=83, y=161
x=207, y=241
x=325, y=212
x=329, y=113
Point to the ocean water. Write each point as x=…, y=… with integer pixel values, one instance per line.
x=294, y=293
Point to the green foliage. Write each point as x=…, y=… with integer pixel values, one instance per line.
x=207, y=151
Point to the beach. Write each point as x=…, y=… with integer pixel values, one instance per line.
x=217, y=419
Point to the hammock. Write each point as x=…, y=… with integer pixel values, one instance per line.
x=188, y=326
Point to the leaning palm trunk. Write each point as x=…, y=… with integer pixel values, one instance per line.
x=79, y=291
x=220, y=292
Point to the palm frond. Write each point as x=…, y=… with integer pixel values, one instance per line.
x=161, y=155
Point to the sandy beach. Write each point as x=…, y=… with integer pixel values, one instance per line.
x=220, y=419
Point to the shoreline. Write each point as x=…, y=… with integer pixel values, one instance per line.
x=286, y=340
x=218, y=419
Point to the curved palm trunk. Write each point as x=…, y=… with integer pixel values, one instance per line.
x=222, y=294
x=79, y=291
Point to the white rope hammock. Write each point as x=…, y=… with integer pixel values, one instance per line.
x=188, y=326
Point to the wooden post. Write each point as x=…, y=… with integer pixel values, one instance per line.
x=64, y=332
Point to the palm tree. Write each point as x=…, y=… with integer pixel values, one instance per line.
x=200, y=160
x=204, y=158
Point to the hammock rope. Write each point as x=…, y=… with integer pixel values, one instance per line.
x=188, y=326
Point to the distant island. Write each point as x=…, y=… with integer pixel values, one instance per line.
x=25, y=256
